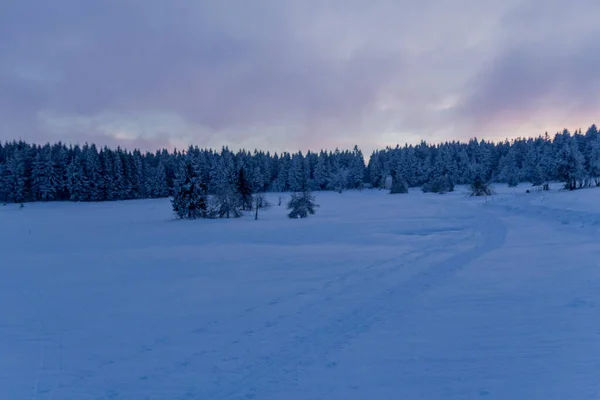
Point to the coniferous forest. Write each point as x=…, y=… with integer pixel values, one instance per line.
x=61, y=172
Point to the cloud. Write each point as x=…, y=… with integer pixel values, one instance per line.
x=293, y=74
x=544, y=73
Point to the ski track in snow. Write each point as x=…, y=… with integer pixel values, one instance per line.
x=303, y=341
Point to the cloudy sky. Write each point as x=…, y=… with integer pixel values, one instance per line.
x=295, y=74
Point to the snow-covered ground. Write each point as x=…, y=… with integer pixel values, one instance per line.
x=377, y=296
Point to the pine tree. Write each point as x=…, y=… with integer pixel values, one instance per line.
x=77, y=180
x=280, y=182
x=118, y=187
x=399, y=184
x=509, y=171
x=107, y=174
x=301, y=205
x=570, y=164
x=244, y=190
x=44, y=185
x=339, y=175
x=439, y=180
x=190, y=198
x=296, y=178
x=258, y=180
x=375, y=170
x=158, y=186
x=321, y=177
x=226, y=202
x=357, y=169
x=16, y=178
x=93, y=173
x=594, y=162
x=138, y=176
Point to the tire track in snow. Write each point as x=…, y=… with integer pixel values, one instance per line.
x=281, y=365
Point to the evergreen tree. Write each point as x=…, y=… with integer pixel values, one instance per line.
x=356, y=172
x=280, y=182
x=118, y=187
x=296, y=177
x=190, y=198
x=301, y=205
x=399, y=184
x=244, y=190
x=77, y=181
x=375, y=171
x=158, y=180
x=570, y=164
x=321, y=178
x=227, y=202
x=594, y=160
x=93, y=173
x=439, y=180
x=509, y=171
x=15, y=177
x=107, y=175
x=44, y=183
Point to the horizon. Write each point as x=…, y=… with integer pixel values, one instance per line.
x=295, y=76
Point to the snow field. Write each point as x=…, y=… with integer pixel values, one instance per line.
x=376, y=296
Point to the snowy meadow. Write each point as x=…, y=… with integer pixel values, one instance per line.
x=379, y=296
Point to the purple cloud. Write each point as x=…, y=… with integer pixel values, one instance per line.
x=306, y=73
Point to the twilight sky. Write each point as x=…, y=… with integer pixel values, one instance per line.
x=295, y=74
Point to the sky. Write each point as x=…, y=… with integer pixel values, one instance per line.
x=288, y=75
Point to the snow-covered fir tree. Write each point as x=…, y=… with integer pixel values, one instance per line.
x=509, y=170
x=244, y=190
x=190, y=199
x=43, y=176
x=440, y=180
x=301, y=205
x=15, y=176
x=570, y=163
x=399, y=184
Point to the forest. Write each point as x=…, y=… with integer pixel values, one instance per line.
x=66, y=172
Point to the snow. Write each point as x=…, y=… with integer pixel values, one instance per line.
x=377, y=296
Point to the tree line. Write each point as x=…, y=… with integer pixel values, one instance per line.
x=61, y=172
x=571, y=158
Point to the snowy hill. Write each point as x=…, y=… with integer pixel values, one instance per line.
x=378, y=296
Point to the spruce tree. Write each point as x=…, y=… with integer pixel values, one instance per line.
x=244, y=190
x=570, y=163
x=509, y=171
x=189, y=193
x=439, y=180
x=16, y=177
x=301, y=205
x=399, y=184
